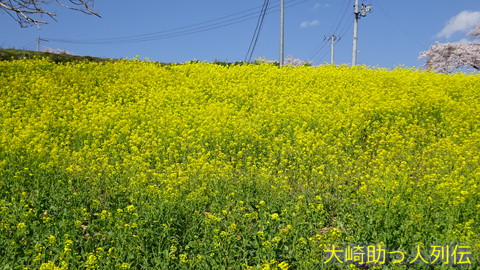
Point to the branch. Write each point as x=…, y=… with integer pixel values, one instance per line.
x=25, y=12
x=475, y=33
x=86, y=4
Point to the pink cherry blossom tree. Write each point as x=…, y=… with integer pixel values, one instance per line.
x=448, y=57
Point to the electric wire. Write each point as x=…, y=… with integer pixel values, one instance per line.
x=322, y=57
x=184, y=30
x=256, y=33
x=346, y=29
x=29, y=45
x=405, y=32
x=338, y=22
x=312, y=57
x=258, y=25
x=163, y=33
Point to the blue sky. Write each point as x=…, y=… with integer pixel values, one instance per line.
x=394, y=33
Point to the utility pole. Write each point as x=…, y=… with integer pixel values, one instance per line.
x=358, y=13
x=38, y=42
x=282, y=36
x=332, y=38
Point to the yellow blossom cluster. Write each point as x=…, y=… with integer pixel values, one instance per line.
x=136, y=164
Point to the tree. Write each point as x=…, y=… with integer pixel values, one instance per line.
x=30, y=12
x=447, y=57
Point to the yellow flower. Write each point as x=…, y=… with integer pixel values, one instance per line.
x=283, y=265
x=68, y=246
x=183, y=257
x=21, y=226
x=125, y=266
x=52, y=240
x=49, y=266
x=91, y=261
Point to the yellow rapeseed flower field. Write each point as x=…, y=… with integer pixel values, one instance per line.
x=137, y=165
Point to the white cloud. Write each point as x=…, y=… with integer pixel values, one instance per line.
x=309, y=23
x=319, y=6
x=462, y=22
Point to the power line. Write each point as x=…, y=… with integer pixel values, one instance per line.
x=29, y=45
x=346, y=29
x=184, y=30
x=338, y=22
x=38, y=42
x=319, y=59
x=405, y=32
x=318, y=51
x=256, y=33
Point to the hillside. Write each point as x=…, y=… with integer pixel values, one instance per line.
x=16, y=54
x=132, y=164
